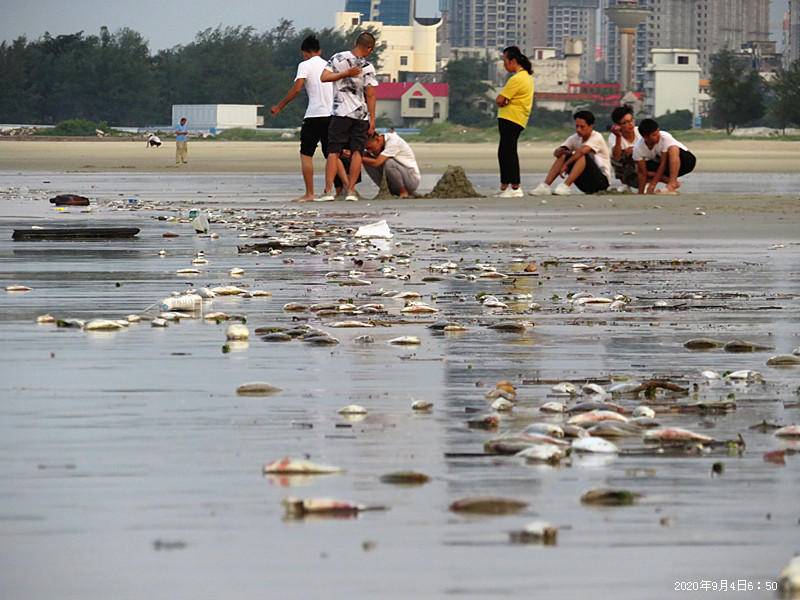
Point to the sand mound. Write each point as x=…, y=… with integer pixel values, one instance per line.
x=383, y=191
x=453, y=184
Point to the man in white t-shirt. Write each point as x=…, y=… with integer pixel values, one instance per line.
x=353, y=117
x=621, y=140
x=390, y=155
x=583, y=159
x=660, y=158
x=317, y=119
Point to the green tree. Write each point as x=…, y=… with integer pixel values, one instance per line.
x=737, y=90
x=676, y=121
x=785, y=88
x=469, y=103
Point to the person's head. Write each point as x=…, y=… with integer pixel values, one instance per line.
x=375, y=144
x=183, y=120
x=514, y=59
x=310, y=47
x=623, y=116
x=365, y=44
x=584, y=123
x=648, y=129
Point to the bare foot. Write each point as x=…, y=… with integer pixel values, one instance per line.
x=306, y=198
x=673, y=186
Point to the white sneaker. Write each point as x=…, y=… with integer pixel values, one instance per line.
x=541, y=190
x=562, y=189
x=326, y=197
x=510, y=192
x=351, y=198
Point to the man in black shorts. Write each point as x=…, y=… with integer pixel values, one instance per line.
x=660, y=158
x=353, y=110
x=583, y=159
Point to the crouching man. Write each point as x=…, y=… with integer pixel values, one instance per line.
x=390, y=155
x=660, y=158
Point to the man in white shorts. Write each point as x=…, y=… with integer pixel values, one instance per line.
x=583, y=159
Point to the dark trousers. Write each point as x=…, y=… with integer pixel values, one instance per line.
x=507, y=151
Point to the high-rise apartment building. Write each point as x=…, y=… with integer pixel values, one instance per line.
x=575, y=19
x=388, y=12
x=488, y=23
x=792, y=48
x=707, y=25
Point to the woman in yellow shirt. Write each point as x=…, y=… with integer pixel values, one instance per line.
x=514, y=101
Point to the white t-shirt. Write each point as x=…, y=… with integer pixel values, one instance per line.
x=642, y=152
x=398, y=149
x=624, y=144
x=601, y=155
x=320, y=95
x=348, y=93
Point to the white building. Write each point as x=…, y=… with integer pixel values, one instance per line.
x=409, y=49
x=672, y=81
x=218, y=117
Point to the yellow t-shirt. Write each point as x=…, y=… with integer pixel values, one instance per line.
x=519, y=90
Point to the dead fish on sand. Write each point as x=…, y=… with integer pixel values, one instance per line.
x=745, y=346
x=675, y=434
x=610, y=497
x=421, y=405
x=596, y=416
x=565, y=388
x=405, y=478
x=297, y=508
x=418, y=308
x=352, y=409
x=553, y=407
x=237, y=332
x=18, y=288
x=612, y=429
x=784, y=360
x=535, y=533
x=488, y=505
x=289, y=466
x=546, y=453
x=257, y=388
x=594, y=445
x=405, y=340
x=102, y=325
x=703, y=344
x=790, y=431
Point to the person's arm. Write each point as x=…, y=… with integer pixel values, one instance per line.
x=616, y=150
x=582, y=151
x=662, y=166
x=369, y=93
x=290, y=95
x=501, y=100
x=641, y=173
x=562, y=151
x=328, y=76
x=376, y=161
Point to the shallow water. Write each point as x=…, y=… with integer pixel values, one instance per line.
x=111, y=441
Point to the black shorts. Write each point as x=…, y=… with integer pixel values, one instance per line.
x=592, y=180
x=688, y=163
x=347, y=133
x=314, y=131
x=625, y=171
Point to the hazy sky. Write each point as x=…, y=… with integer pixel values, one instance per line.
x=165, y=22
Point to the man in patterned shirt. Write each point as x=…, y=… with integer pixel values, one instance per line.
x=353, y=117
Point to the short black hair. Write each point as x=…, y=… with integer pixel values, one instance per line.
x=648, y=126
x=620, y=113
x=585, y=115
x=310, y=44
x=365, y=40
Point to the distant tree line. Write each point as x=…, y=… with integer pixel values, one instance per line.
x=113, y=77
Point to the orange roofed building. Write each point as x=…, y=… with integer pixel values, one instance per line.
x=412, y=104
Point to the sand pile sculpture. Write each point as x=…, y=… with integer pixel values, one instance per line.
x=453, y=184
x=383, y=190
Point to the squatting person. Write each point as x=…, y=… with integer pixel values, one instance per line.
x=621, y=140
x=583, y=159
x=353, y=117
x=390, y=155
x=514, y=101
x=660, y=158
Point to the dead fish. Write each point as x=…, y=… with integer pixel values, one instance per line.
x=746, y=375
x=227, y=290
x=675, y=434
x=493, y=302
x=277, y=336
x=44, y=319
x=418, y=308
x=405, y=340
x=488, y=422
x=573, y=431
x=421, y=405
x=499, y=393
x=215, y=316
x=492, y=275
x=102, y=325
x=511, y=326
x=593, y=300
x=644, y=411
x=289, y=466
x=488, y=505
x=703, y=344
x=596, y=416
x=553, y=407
x=612, y=429
x=593, y=389
x=158, y=322
x=297, y=508
x=237, y=332
x=187, y=272
x=350, y=324
x=645, y=422
x=407, y=295
x=535, y=533
x=784, y=360
x=545, y=429
x=236, y=272
x=610, y=497
x=320, y=340
x=593, y=405
x=711, y=375
x=352, y=409
x=455, y=328
x=294, y=307
x=364, y=339
x=542, y=453
x=594, y=445
x=405, y=478
x=625, y=387
x=790, y=431
x=257, y=388
x=565, y=388
x=744, y=346
x=18, y=288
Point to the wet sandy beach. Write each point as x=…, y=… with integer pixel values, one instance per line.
x=132, y=469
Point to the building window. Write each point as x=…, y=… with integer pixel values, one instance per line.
x=404, y=61
x=417, y=103
x=683, y=60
